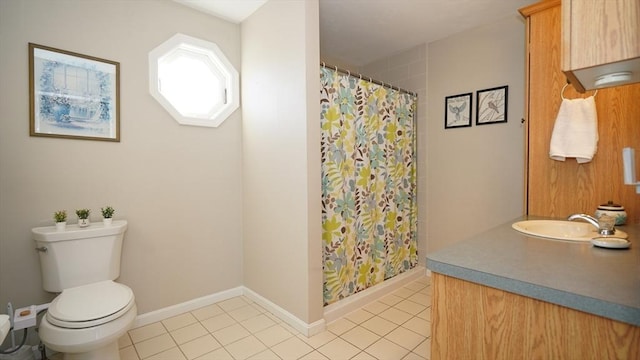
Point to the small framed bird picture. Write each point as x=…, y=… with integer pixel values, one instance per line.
x=457, y=111
x=492, y=105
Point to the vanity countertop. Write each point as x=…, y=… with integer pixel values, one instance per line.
x=577, y=275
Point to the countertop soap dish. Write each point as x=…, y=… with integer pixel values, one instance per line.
x=611, y=242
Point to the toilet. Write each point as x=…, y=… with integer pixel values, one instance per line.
x=91, y=311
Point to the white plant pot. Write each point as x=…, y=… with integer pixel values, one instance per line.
x=83, y=222
x=107, y=221
x=61, y=226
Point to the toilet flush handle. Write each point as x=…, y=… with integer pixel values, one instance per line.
x=42, y=249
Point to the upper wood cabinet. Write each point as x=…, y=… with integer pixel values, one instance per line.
x=560, y=188
x=601, y=42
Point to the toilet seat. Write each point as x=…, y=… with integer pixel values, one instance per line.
x=90, y=305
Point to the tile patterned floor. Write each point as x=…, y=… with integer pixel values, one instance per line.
x=397, y=326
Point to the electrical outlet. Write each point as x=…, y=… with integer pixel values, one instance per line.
x=24, y=317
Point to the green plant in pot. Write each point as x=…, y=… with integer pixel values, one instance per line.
x=107, y=215
x=83, y=217
x=60, y=217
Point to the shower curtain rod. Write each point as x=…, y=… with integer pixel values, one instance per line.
x=347, y=72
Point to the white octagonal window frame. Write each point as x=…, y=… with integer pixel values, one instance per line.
x=194, y=81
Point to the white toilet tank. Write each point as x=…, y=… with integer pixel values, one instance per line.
x=79, y=256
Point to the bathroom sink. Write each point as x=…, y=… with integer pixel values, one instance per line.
x=561, y=229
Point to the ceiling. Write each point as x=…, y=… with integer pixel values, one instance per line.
x=358, y=32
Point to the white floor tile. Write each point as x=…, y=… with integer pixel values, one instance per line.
x=154, y=345
x=339, y=349
x=363, y=356
x=265, y=355
x=379, y=325
x=420, y=326
x=360, y=337
x=218, y=354
x=385, y=349
x=245, y=348
x=230, y=334
x=424, y=349
x=188, y=333
x=410, y=307
x=257, y=323
x=199, y=346
x=391, y=299
x=405, y=338
x=244, y=313
x=313, y=356
x=340, y=326
x=403, y=292
x=207, y=312
x=395, y=316
x=396, y=326
x=218, y=322
x=128, y=353
x=292, y=348
x=233, y=303
x=319, y=339
x=376, y=307
x=147, y=332
x=171, y=354
x=179, y=321
x=273, y=335
x=359, y=316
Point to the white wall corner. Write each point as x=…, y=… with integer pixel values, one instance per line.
x=306, y=329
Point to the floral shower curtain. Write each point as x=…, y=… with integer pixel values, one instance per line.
x=369, y=207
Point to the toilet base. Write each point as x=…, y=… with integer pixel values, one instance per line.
x=109, y=351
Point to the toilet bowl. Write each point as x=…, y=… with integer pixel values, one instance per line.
x=85, y=322
x=91, y=311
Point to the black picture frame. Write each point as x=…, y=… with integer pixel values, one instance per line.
x=457, y=110
x=492, y=105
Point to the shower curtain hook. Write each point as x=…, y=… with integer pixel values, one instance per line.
x=349, y=72
x=323, y=65
x=336, y=68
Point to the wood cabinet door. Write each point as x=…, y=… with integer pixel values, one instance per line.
x=556, y=188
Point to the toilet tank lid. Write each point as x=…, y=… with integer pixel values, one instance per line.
x=72, y=232
x=89, y=302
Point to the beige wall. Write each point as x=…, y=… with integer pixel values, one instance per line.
x=281, y=156
x=470, y=179
x=474, y=175
x=178, y=186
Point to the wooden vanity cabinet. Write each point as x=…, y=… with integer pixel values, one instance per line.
x=472, y=321
x=555, y=188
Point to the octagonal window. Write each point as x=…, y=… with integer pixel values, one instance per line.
x=193, y=80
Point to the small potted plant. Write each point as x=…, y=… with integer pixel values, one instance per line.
x=83, y=217
x=107, y=215
x=60, y=217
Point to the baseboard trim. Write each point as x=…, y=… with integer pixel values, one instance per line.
x=308, y=330
x=174, y=310
x=331, y=312
x=354, y=302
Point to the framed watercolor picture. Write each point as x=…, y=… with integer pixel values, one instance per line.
x=72, y=95
x=492, y=105
x=457, y=111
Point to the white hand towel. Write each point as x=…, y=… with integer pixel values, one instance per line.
x=575, y=132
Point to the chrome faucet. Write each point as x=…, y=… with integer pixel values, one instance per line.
x=604, y=227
